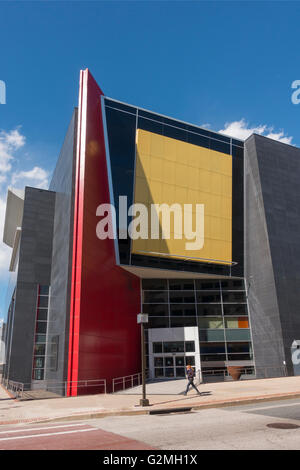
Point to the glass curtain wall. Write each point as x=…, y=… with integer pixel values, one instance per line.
x=217, y=307
x=38, y=372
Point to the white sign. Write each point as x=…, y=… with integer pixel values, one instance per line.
x=142, y=318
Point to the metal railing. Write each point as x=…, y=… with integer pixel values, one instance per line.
x=128, y=381
x=49, y=388
x=254, y=372
x=15, y=388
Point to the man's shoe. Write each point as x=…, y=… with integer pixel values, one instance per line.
x=184, y=394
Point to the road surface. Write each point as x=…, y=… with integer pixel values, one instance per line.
x=234, y=428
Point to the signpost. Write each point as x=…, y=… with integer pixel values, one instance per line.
x=142, y=318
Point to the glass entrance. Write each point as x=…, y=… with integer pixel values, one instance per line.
x=172, y=366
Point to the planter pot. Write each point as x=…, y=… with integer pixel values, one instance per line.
x=235, y=371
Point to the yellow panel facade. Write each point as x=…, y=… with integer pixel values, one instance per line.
x=169, y=171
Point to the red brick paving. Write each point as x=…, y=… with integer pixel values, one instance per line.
x=90, y=439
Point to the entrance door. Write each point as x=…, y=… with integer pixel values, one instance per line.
x=171, y=366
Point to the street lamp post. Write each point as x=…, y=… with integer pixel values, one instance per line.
x=142, y=318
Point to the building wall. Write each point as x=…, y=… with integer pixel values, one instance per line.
x=272, y=248
x=123, y=123
x=34, y=268
x=58, y=326
x=105, y=299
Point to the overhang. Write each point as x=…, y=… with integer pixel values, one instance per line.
x=152, y=273
x=13, y=215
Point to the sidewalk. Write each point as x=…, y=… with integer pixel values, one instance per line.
x=95, y=406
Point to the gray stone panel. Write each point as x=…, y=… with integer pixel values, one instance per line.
x=59, y=309
x=34, y=269
x=273, y=247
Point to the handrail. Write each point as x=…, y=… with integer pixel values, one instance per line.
x=123, y=380
x=246, y=370
x=18, y=388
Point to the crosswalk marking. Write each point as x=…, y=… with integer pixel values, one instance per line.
x=44, y=427
x=44, y=435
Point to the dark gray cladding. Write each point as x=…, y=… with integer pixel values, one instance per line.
x=272, y=245
x=34, y=268
x=59, y=309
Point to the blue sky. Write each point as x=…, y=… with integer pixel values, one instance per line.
x=227, y=65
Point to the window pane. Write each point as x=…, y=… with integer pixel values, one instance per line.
x=182, y=297
x=180, y=372
x=39, y=362
x=154, y=284
x=157, y=348
x=182, y=310
x=44, y=290
x=187, y=284
x=234, y=297
x=198, y=140
x=38, y=374
x=179, y=361
x=232, y=284
x=238, y=335
x=236, y=322
x=207, y=297
x=43, y=302
x=238, y=347
x=156, y=297
x=219, y=146
x=231, y=309
x=213, y=357
x=41, y=327
x=176, y=346
x=189, y=346
x=211, y=335
x=177, y=322
x=240, y=357
x=158, y=322
x=159, y=372
x=168, y=361
x=210, y=323
x=174, y=132
x=40, y=338
x=156, y=310
x=207, y=285
x=42, y=314
x=158, y=362
x=209, y=310
x=169, y=371
x=213, y=348
x=39, y=349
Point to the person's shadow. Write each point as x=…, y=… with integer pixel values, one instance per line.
x=203, y=394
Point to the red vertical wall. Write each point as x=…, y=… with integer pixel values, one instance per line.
x=105, y=300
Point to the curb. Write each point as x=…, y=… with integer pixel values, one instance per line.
x=151, y=411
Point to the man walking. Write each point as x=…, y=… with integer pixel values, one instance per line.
x=190, y=376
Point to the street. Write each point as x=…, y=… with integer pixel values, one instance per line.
x=230, y=428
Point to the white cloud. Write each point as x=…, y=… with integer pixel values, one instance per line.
x=36, y=177
x=280, y=137
x=10, y=144
x=242, y=130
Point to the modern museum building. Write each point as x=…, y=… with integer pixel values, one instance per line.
x=219, y=279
